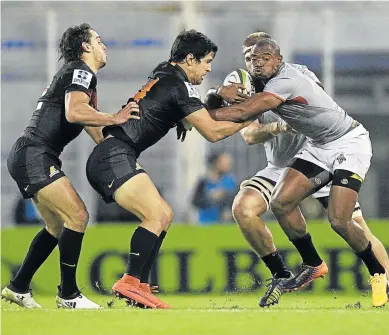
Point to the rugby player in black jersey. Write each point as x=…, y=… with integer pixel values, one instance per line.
x=66, y=107
x=112, y=169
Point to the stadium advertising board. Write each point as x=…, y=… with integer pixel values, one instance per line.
x=193, y=259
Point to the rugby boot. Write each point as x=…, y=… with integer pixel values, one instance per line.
x=305, y=274
x=274, y=291
x=378, y=284
x=22, y=299
x=128, y=287
x=147, y=289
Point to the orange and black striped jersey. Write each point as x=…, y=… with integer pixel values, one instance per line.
x=164, y=100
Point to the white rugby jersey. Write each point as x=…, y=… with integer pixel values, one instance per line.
x=307, y=107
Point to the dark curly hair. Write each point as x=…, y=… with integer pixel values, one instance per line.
x=70, y=45
x=191, y=42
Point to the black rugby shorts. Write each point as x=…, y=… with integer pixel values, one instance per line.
x=110, y=165
x=33, y=166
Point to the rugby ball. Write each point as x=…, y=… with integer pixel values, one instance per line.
x=243, y=77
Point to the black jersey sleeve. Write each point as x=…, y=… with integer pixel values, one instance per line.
x=79, y=78
x=187, y=98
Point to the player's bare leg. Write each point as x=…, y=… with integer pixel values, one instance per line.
x=288, y=193
x=247, y=209
x=341, y=205
x=139, y=196
x=18, y=291
x=340, y=208
x=377, y=246
x=61, y=198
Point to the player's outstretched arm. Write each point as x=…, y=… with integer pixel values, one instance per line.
x=212, y=130
x=78, y=110
x=251, y=108
x=257, y=132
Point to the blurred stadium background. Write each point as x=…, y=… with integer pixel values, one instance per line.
x=344, y=43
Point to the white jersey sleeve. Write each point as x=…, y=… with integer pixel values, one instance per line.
x=281, y=87
x=307, y=72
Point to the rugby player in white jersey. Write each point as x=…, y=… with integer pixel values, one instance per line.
x=295, y=96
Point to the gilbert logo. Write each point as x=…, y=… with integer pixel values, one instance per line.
x=53, y=171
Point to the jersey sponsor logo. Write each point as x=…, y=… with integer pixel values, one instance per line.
x=82, y=78
x=192, y=91
x=53, y=171
x=341, y=159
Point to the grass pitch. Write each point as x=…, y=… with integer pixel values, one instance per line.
x=297, y=314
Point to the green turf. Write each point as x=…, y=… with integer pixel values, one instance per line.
x=297, y=314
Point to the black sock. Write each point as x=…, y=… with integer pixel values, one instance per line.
x=370, y=260
x=40, y=248
x=307, y=250
x=142, y=244
x=145, y=273
x=69, y=244
x=276, y=265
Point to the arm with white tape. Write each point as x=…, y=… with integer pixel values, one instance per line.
x=257, y=132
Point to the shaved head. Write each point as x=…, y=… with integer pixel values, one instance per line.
x=267, y=45
x=251, y=40
x=265, y=58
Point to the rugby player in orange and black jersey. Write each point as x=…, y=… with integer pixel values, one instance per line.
x=67, y=106
x=168, y=98
x=48, y=124
x=172, y=99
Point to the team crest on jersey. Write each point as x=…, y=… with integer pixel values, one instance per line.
x=53, y=171
x=192, y=91
x=82, y=77
x=341, y=159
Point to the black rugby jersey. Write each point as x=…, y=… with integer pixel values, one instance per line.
x=164, y=100
x=48, y=124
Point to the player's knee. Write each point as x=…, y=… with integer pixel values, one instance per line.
x=79, y=219
x=169, y=215
x=280, y=206
x=162, y=218
x=245, y=208
x=338, y=223
x=83, y=216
